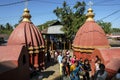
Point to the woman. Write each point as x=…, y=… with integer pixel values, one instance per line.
x=87, y=69
x=97, y=64
x=73, y=59
x=74, y=69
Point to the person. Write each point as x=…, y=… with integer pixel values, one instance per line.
x=81, y=62
x=101, y=74
x=65, y=71
x=69, y=60
x=56, y=55
x=62, y=64
x=48, y=56
x=87, y=69
x=117, y=76
x=82, y=72
x=74, y=69
x=67, y=53
x=52, y=56
x=97, y=64
x=96, y=58
x=59, y=58
x=73, y=59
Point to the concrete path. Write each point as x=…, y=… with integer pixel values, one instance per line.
x=51, y=72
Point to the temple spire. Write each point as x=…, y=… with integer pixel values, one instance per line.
x=26, y=16
x=90, y=14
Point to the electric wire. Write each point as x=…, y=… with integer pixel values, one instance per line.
x=44, y=1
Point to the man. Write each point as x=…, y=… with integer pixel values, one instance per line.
x=59, y=58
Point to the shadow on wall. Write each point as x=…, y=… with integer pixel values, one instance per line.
x=6, y=66
x=8, y=71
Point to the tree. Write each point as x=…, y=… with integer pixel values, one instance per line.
x=7, y=29
x=106, y=26
x=2, y=27
x=8, y=26
x=115, y=30
x=71, y=18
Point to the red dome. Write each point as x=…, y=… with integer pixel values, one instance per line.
x=26, y=33
x=90, y=36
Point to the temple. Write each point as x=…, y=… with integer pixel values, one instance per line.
x=91, y=41
x=29, y=35
x=89, y=37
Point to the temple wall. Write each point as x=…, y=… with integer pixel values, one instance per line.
x=14, y=65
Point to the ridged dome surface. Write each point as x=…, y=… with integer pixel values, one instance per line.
x=90, y=35
x=26, y=33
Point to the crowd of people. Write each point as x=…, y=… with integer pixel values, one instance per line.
x=72, y=68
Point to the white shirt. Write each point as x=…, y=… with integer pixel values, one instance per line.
x=97, y=66
x=59, y=58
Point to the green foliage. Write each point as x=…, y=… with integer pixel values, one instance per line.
x=116, y=30
x=6, y=32
x=7, y=29
x=45, y=25
x=71, y=18
x=106, y=26
x=8, y=26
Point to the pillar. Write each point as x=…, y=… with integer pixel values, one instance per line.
x=36, y=55
x=30, y=51
x=31, y=59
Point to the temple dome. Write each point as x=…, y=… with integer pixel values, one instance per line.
x=90, y=36
x=26, y=33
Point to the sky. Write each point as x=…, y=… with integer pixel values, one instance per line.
x=42, y=10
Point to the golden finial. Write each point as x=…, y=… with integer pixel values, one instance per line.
x=90, y=14
x=26, y=16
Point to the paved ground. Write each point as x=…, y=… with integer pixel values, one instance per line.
x=51, y=72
